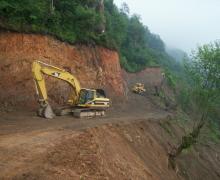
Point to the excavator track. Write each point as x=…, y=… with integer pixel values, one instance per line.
x=80, y=112
x=88, y=113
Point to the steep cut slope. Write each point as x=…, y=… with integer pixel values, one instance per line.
x=110, y=148
x=95, y=67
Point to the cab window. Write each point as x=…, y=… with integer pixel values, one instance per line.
x=85, y=96
x=100, y=93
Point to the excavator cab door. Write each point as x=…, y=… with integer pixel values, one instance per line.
x=100, y=93
x=86, y=95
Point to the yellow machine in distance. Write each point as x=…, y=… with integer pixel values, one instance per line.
x=138, y=88
x=82, y=101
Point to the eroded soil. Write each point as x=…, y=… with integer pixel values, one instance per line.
x=68, y=148
x=115, y=147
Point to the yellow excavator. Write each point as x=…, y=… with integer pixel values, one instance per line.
x=82, y=102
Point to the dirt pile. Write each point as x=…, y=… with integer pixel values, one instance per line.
x=95, y=67
x=112, y=151
x=112, y=148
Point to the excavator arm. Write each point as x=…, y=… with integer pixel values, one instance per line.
x=38, y=70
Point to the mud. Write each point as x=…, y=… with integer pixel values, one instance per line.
x=108, y=148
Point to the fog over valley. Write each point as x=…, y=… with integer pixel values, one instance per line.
x=181, y=24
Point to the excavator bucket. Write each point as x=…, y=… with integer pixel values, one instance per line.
x=46, y=112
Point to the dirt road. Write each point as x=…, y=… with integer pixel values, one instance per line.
x=26, y=138
x=115, y=147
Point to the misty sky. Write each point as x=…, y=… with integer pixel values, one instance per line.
x=181, y=23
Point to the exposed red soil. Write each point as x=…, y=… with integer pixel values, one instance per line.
x=95, y=67
x=110, y=148
x=111, y=151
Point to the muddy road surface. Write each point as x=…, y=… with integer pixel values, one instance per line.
x=27, y=141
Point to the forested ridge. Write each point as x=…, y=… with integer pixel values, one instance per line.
x=92, y=22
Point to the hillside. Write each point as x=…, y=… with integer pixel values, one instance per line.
x=170, y=131
x=132, y=146
x=177, y=54
x=135, y=139
x=89, y=64
x=109, y=26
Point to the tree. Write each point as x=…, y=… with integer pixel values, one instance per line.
x=204, y=70
x=91, y=22
x=125, y=8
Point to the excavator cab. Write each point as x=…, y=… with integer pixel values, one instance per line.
x=86, y=95
x=100, y=93
x=92, y=98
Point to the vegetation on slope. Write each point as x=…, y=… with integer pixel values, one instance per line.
x=177, y=54
x=68, y=20
x=200, y=91
x=84, y=22
x=204, y=79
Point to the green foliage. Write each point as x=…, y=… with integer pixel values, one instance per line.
x=139, y=47
x=80, y=21
x=204, y=71
x=73, y=21
x=187, y=141
x=183, y=98
x=171, y=81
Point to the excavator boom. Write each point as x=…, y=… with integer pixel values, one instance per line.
x=40, y=68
